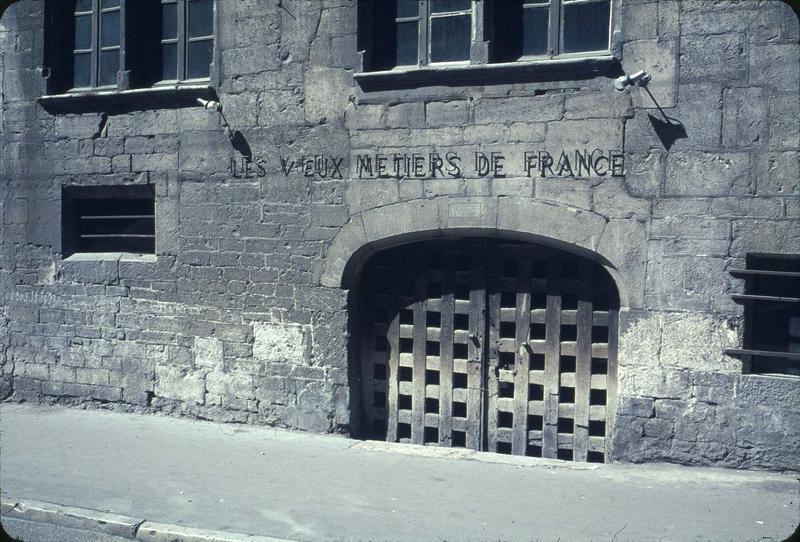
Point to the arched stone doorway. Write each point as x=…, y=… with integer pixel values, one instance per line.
x=488, y=344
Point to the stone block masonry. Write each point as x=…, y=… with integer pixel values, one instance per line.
x=247, y=311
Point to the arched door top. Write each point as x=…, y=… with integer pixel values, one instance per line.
x=618, y=244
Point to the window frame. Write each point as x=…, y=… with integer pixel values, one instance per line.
x=754, y=298
x=73, y=224
x=182, y=41
x=137, y=85
x=483, y=45
x=429, y=16
x=96, y=47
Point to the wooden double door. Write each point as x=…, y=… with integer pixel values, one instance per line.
x=487, y=345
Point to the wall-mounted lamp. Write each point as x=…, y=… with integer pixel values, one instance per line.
x=238, y=141
x=211, y=105
x=640, y=78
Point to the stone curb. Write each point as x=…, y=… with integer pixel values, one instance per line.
x=118, y=525
x=75, y=518
x=150, y=531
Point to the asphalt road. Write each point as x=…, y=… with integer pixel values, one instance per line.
x=29, y=531
x=318, y=487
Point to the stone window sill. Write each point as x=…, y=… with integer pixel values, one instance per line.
x=770, y=376
x=100, y=100
x=481, y=74
x=109, y=257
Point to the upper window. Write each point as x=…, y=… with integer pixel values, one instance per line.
x=404, y=33
x=187, y=39
x=97, y=43
x=127, y=43
x=771, y=313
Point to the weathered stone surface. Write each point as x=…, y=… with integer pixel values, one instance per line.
x=608, y=104
x=715, y=57
x=658, y=59
x=180, y=383
x=708, y=174
x=363, y=116
x=283, y=343
x=776, y=66
x=778, y=174
x=583, y=134
x=410, y=115
x=453, y=113
x=208, y=352
x=228, y=385
x=765, y=235
x=699, y=112
x=696, y=342
x=640, y=20
x=639, y=340
x=744, y=117
x=784, y=122
x=328, y=92
x=534, y=108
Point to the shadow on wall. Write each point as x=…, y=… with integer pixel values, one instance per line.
x=668, y=130
x=241, y=145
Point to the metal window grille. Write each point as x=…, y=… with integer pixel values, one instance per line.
x=108, y=219
x=771, y=342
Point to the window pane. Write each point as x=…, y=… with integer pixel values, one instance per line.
x=83, y=32
x=407, y=44
x=169, y=61
x=169, y=21
x=586, y=27
x=201, y=21
x=82, y=76
x=534, y=34
x=83, y=5
x=450, y=38
x=200, y=58
x=438, y=6
x=407, y=8
x=109, y=65
x=109, y=29
x=105, y=4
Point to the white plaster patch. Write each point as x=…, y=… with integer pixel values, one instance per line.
x=697, y=342
x=180, y=383
x=680, y=341
x=230, y=384
x=279, y=343
x=661, y=382
x=47, y=274
x=640, y=343
x=208, y=352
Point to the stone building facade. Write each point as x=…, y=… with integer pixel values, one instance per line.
x=270, y=213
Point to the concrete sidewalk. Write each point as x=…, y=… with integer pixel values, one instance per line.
x=296, y=486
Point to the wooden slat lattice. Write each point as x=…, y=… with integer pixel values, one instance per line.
x=499, y=347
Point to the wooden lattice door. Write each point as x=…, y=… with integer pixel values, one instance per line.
x=502, y=347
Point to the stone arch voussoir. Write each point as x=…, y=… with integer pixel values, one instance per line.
x=619, y=244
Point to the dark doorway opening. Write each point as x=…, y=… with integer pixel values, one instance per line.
x=489, y=345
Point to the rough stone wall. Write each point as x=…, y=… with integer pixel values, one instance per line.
x=729, y=188
x=230, y=321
